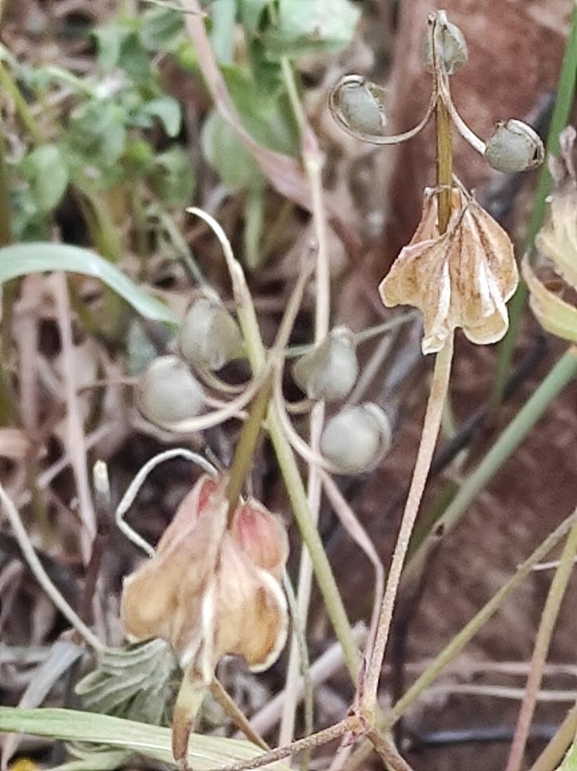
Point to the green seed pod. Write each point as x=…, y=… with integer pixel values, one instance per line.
x=167, y=392
x=209, y=337
x=450, y=44
x=356, y=438
x=330, y=370
x=358, y=104
x=514, y=146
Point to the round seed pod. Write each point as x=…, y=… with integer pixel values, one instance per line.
x=209, y=337
x=358, y=104
x=514, y=146
x=450, y=45
x=356, y=438
x=167, y=392
x=331, y=369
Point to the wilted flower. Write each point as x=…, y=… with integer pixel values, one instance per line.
x=461, y=278
x=557, y=241
x=212, y=589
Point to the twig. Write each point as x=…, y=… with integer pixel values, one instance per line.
x=42, y=577
x=542, y=642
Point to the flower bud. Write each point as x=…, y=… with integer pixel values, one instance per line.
x=514, y=146
x=167, y=392
x=209, y=337
x=356, y=438
x=450, y=44
x=330, y=370
x=359, y=105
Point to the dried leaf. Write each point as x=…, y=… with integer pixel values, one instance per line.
x=554, y=314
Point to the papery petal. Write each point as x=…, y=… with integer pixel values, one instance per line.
x=252, y=619
x=261, y=535
x=460, y=279
x=558, y=238
x=163, y=598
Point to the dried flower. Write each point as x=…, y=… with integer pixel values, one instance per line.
x=462, y=278
x=557, y=240
x=210, y=590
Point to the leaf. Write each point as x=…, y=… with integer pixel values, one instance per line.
x=227, y=154
x=171, y=177
x=167, y=110
x=161, y=28
x=205, y=752
x=47, y=173
x=251, y=13
x=314, y=26
x=41, y=257
x=109, y=40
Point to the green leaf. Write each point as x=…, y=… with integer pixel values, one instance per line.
x=313, y=26
x=172, y=178
x=46, y=171
x=251, y=14
x=227, y=155
x=266, y=113
x=167, y=110
x=161, y=28
x=40, y=257
x=205, y=752
x=109, y=39
x=134, y=59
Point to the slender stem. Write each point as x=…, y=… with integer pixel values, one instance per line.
x=310, y=535
x=41, y=576
x=429, y=436
x=246, y=445
x=444, y=163
x=557, y=747
x=561, y=374
x=542, y=643
x=466, y=634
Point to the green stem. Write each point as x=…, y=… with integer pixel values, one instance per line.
x=541, y=649
x=310, y=535
x=466, y=634
x=245, y=448
x=561, y=113
x=563, y=371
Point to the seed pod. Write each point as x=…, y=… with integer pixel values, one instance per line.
x=167, y=392
x=514, y=146
x=358, y=105
x=356, y=438
x=450, y=44
x=330, y=370
x=209, y=337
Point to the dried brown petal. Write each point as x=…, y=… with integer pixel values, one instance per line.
x=261, y=535
x=459, y=279
x=164, y=597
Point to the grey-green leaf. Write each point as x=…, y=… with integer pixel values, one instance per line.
x=205, y=752
x=42, y=257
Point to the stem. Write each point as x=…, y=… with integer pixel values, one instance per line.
x=544, y=634
x=466, y=634
x=41, y=575
x=245, y=448
x=429, y=435
x=444, y=163
x=553, y=753
x=563, y=371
